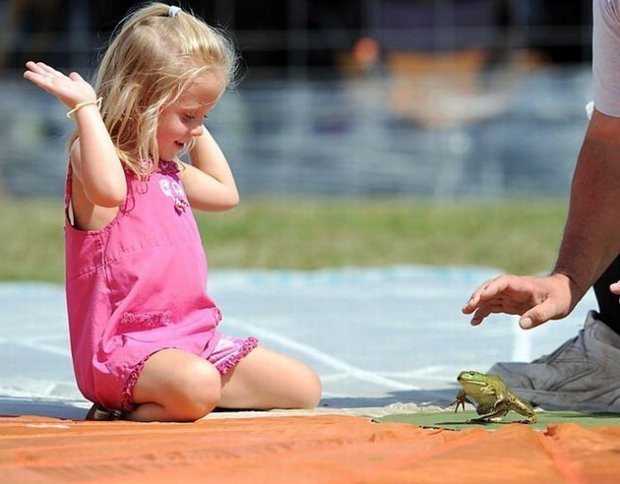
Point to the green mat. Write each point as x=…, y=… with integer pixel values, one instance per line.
x=458, y=421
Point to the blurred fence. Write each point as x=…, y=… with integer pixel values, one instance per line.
x=428, y=98
x=517, y=135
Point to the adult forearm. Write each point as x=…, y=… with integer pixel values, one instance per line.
x=592, y=233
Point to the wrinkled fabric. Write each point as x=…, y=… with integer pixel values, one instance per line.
x=135, y=287
x=581, y=374
x=317, y=449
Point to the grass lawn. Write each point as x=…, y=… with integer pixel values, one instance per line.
x=515, y=236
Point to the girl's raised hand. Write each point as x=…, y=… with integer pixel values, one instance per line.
x=70, y=90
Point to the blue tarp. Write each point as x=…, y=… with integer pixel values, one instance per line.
x=376, y=336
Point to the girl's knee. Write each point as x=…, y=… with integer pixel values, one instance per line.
x=315, y=391
x=309, y=395
x=197, y=392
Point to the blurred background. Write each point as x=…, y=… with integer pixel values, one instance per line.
x=390, y=154
x=437, y=99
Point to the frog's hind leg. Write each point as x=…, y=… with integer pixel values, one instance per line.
x=530, y=416
x=526, y=411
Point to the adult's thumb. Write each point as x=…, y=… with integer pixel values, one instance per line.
x=537, y=315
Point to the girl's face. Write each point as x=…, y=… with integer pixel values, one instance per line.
x=182, y=120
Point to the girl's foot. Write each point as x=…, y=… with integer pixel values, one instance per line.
x=97, y=412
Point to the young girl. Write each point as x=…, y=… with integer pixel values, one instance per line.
x=144, y=334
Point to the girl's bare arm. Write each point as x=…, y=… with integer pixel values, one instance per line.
x=208, y=181
x=94, y=158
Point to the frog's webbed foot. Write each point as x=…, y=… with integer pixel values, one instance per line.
x=531, y=419
x=495, y=416
x=461, y=398
x=486, y=419
x=526, y=411
x=481, y=420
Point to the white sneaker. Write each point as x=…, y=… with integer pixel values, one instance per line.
x=582, y=374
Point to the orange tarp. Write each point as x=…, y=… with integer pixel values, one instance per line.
x=326, y=448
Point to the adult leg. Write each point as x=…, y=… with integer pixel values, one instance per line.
x=608, y=303
x=265, y=379
x=583, y=372
x=175, y=386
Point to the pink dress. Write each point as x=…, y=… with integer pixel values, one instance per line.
x=138, y=286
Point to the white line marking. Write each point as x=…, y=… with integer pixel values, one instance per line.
x=43, y=347
x=522, y=348
x=48, y=426
x=321, y=356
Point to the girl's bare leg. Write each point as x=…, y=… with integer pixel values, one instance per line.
x=265, y=379
x=178, y=386
x=175, y=386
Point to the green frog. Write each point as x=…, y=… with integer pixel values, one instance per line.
x=492, y=396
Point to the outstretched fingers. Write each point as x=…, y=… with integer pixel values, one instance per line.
x=74, y=76
x=505, y=294
x=488, y=291
x=70, y=90
x=42, y=75
x=535, y=299
x=529, y=319
x=497, y=305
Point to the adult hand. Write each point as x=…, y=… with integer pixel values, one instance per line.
x=70, y=90
x=535, y=299
x=615, y=288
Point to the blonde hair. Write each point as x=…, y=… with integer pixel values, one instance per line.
x=151, y=59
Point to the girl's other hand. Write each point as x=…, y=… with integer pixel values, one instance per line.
x=70, y=90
